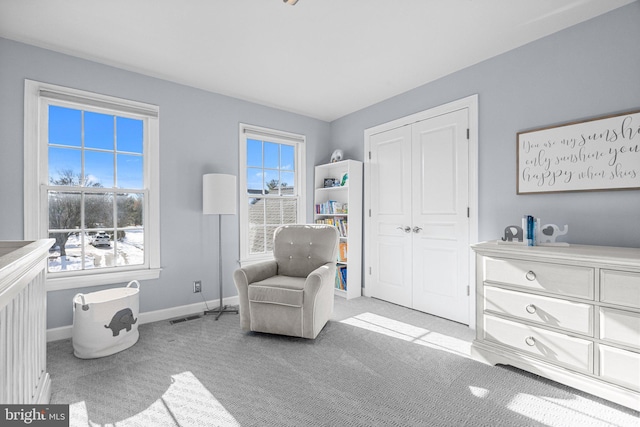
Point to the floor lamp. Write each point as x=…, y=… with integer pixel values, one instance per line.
x=219, y=198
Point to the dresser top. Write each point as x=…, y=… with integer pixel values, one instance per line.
x=600, y=254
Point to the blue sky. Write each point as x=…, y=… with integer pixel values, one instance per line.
x=278, y=162
x=111, y=143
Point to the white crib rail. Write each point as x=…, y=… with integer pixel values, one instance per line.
x=23, y=342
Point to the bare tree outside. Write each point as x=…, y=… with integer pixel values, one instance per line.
x=65, y=208
x=274, y=184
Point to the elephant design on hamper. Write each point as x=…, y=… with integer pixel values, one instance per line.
x=123, y=319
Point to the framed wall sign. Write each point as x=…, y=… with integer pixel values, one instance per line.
x=590, y=155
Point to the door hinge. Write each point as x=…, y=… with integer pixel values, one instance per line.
x=468, y=291
x=467, y=133
x=369, y=155
x=369, y=213
x=468, y=212
x=369, y=270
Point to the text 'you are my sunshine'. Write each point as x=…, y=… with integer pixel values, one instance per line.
x=598, y=154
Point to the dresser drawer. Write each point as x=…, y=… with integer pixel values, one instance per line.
x=620, y=326
x=620, y=366
x=553, y=347
x=572, y=316
x=620, y=287
x=554, y=278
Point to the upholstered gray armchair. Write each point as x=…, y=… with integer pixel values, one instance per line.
x=293, y=293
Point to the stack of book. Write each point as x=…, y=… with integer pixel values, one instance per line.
x=331, y=207
x=339, y=222
x=341, y=277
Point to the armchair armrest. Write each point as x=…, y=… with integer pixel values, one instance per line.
x=325, y=270
x=242, y=277
x=256, y=272
x=323, y=274
x=318, y=298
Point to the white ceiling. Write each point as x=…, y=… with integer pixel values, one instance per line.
x=320, y=58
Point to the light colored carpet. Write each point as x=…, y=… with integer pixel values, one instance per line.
x=374, y=364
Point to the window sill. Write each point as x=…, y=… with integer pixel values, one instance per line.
x=88, y=280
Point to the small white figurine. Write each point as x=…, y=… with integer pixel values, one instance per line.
x=336, y=156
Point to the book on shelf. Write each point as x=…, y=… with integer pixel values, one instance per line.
x=341, y=277
x=339, y=222
x=339, y=283
x=342, y=252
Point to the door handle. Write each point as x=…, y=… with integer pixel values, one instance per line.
x=406, y=229
x=417, y=229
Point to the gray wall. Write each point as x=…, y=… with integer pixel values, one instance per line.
x=588, y=70
x=198, y=135
x=585, y=71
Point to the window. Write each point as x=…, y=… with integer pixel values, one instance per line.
x=271, y=187
x=94, y=189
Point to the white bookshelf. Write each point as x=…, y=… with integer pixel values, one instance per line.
x=349, y=195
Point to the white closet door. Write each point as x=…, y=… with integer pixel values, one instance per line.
x=419, y=229
x=440, y=226
x=390, y=244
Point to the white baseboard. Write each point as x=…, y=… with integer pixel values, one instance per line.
x=65, y=332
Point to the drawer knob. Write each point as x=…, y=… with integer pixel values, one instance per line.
x=530, y=308
x=530, y=341
x=531, y=276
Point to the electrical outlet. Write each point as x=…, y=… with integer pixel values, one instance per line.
x=197, y=286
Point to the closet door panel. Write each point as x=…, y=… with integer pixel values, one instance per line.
x=439, y=216
x=435, y=171
x=391, y=216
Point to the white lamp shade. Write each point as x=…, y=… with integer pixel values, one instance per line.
x=218, y=194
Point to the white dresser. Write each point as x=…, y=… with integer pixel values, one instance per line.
x=571, y=314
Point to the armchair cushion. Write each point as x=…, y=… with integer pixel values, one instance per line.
x=281, y=290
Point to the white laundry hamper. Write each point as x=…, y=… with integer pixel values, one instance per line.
x=105, y=322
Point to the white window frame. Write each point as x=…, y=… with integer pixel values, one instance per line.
x=37, y=96
x=255, y=132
